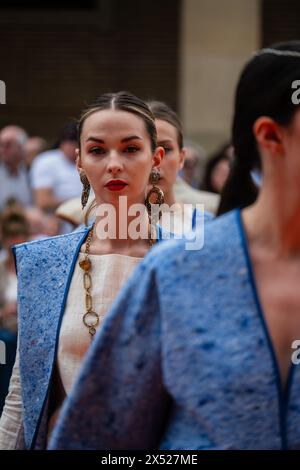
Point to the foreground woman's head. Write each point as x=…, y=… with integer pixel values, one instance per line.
x=266, y=123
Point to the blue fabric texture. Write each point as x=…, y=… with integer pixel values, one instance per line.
x=207, y=216
x=44, y=271
x=45, y=268
x=183, y=360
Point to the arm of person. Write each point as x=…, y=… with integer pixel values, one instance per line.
x=43, y=181
x=11, y=423
x=119, y=400
x=45, y=199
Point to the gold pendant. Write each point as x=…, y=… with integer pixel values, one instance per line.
x=85, y=264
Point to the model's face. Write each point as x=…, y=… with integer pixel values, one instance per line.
x=116, y=156
x=174, y=157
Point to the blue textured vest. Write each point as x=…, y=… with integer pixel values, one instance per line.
x=45, y=269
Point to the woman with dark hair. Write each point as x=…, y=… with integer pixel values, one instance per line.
x=66, y=284
x=273, y=99
x=200, y=349
x=217, y=170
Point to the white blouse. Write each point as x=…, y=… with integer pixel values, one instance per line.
x=109, y=272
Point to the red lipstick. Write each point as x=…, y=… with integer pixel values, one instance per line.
x=116, y=185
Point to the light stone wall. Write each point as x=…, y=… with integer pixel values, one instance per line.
x=217, y=38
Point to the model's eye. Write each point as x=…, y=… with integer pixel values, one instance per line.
x=131, y=149
x=97, y=151
x=167, y=149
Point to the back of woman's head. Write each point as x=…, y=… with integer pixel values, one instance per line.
x=264, y=89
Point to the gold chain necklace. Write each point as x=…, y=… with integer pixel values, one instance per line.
x=91, y=318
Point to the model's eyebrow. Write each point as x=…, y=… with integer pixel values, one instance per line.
x=95, y=139
x=101, y=141
x=167, y=141
x=131, y=137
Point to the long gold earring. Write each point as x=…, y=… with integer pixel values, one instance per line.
x=154, y=191
x=85, y=190
x=154, y=215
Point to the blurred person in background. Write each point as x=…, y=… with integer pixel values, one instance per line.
x=54, y=176
x=14, y=229
x=71, y=211
x=194, y=164
x=217, y=170
x=14, y=181
x=170, y=137
x=41, y=225
x=33, y=147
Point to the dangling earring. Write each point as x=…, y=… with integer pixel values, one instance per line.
x=159, y=199
x=85, y=190
x=154, y=178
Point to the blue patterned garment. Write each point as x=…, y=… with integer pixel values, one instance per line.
x=45, y=269
x=184, y=359
x=207, y=217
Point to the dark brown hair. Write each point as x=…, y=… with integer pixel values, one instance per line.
x=122, y=101
x=264, y=89
x=162, y=111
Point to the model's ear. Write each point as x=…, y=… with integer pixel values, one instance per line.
x=182, y=156
x=158, y=156
x=268, y=135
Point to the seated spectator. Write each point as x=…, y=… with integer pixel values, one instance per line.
x=14, y=181
x=33, y=147
x=71, y=211
x=54, y=175
x=14, y=228
x=41, y=225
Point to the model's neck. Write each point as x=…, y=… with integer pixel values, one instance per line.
x=118, y=229
x=274, y=221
